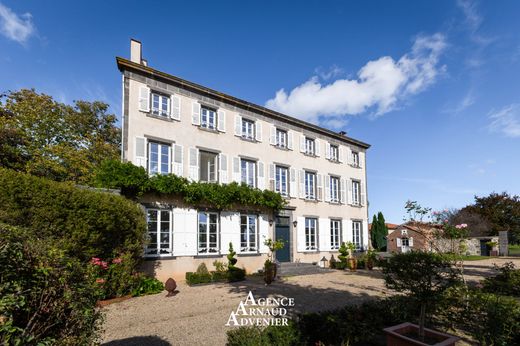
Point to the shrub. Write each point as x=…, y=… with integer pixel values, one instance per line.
x=46, y=297
x=147, y=285
x=202, y=269
x=343, y=253
x=87, y=223
x=196, y=278
x=340, y=265
x=236, y=274
x=231, y=257
x=219, y=276
x=507, y=282
x=219, y=266
x=272, y=335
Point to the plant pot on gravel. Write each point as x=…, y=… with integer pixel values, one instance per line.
x=407, y=334
x=352, y=264
x=269, y=268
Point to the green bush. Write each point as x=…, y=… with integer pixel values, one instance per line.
x=217, y=276
x=204, y=277
x=87, y=223
x=272, y=335
x=236, y=274
x=147, y=285
x=196, y=278
x=340, y=265
x=507, y=282
x=46, y=297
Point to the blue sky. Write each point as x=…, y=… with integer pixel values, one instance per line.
x=433, y=86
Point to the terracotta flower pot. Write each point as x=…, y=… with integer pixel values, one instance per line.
x=370, y=264
x=352, y=264
x=405, y=335
x=268, y=273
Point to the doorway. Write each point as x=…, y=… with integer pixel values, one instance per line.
x=282, y=232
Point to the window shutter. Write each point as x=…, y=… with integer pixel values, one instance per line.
x=362, y=193
x=144, y=99
x=140, y=152
x=302, y=143
x=236, y=170
x=289, y=140
x=340, y=153
x=300, y=234
x=410, y=242
x=302, y=184
x=221, y=119
x=238, y=125
x=361, y=156
x=292, y=184
x=327, y=188
x=342, y=185
x=349, y=195
x=195, y=114
x=327, y=151
x=194, y=164
x=271, y=176
x=175, y=102
x=258, y=132
x=177, y=160
x=350, y=158
x=261, y=175
x=223, y=169
x=273, y=135
x=398, y=241
x=323, y=234
x=319, y=189
x=317, y=147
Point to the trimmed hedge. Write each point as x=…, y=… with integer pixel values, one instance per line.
x=89, y=223
x=232, y=275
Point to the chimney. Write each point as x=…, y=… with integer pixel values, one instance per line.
x=342, y=133
x=135, y=51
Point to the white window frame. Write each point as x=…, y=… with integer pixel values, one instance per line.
x=355, y=159
x=160, y=157
x=357, y=234
x=159, y=221
x=215, y=165
x=356, y=192
x=248, y=129
x=248, y=172
x=310, y=185
x=160, y=111
x=311, y=233
x=334, y=189
x=335, y=234
x=405, y=242
x=208, y=118
x=310, y=146
x=282, y=138
x=248, y=228
x=281, y=186
x=334, y=153
x=209, y=250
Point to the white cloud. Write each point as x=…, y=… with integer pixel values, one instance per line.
x=15, y=27
x=473, y=18
x=380, y=85
x=506, y=120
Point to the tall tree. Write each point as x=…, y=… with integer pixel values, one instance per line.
x=43, y=137
x=379, y=231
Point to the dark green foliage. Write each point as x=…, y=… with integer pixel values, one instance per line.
x=231, y=257
x=133, y=181
x=236, y=274
x=507, y=282
x=147, y=285
x=343, y=253
x=340, y=265
x=217, y=276
x=196, y=278
x=88, y=223
x=378, y=232
x=203, y=276
x=272, y=335
x=46, y=297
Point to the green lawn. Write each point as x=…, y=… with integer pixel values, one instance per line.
x=514, y=250
x=472, y=257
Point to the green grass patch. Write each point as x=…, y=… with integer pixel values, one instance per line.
x=470, y=257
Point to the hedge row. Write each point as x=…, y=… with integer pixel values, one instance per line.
x=89, y=223
x=232, y=275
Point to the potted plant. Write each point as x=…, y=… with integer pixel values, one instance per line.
x=352, y=262
x=425, y=276
x=370, y=259
x=493, y=246
x=270, y=269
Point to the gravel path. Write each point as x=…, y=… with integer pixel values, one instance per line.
x=197, y=315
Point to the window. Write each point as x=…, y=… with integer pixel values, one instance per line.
x=248, y=129
x=310, y=234
x=310, y=185
x=335, y=234
x=208, y=118
x=281, y=138
x=355, y=159
x=208, y=166
x=334, y=153
x=158, y=158
x=405, y=242
x=334, y=189
x=208, y=233
x=247, y=172
x=356, y=191
x=159, y=232
x=357, y=235
x=281, y=180
x=160, y=105
x=310, y=146
x=248, y=233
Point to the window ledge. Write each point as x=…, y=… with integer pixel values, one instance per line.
x=335, y=203
x=334, y=161
x=356, y=205
x=280, y=147
x=310, y=251
x=310, y=155
x=208, y=256
x=249, y=254
x=250, y=140
x=160, y=117
x=355, y=166
x=208, y=130
x=314, y=200
x=159, y=257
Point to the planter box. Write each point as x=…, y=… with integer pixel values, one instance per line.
x=395, y=337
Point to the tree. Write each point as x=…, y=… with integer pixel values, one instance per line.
x=43, y=137
x=501, y=211
x=379, y=231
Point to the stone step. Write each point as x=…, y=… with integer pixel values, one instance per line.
x=293, y=269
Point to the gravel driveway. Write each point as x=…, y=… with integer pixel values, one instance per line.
x=197, y=315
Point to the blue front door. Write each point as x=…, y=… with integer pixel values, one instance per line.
x=282, y=232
